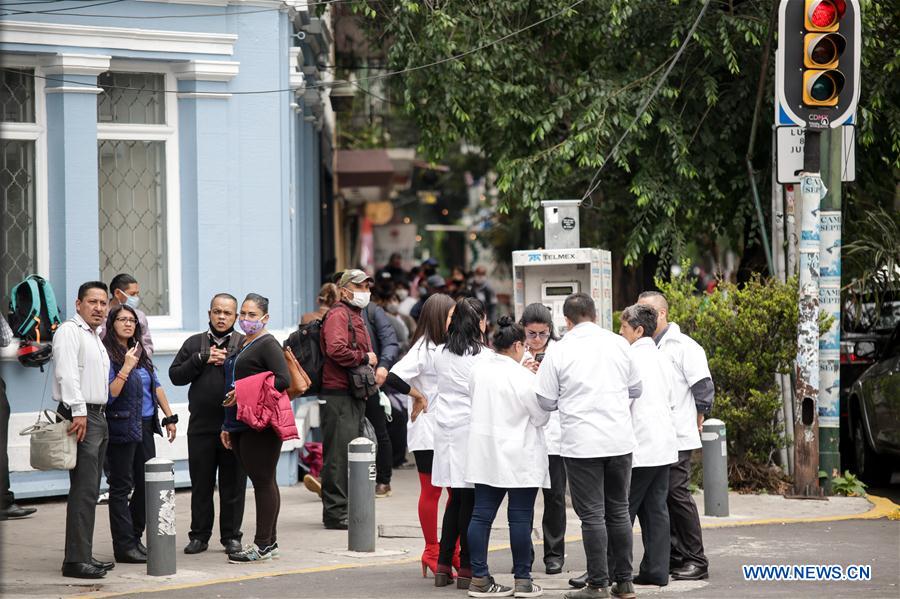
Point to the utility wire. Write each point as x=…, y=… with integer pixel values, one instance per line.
x=595, y=180
x=57, y=10
x=182, y=16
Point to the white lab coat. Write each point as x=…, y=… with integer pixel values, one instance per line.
x=452, y=415
x=691, y=367
x=652, y=414
x=417, y=369
x=506, y=439
x=552, y=434
x=588, y=374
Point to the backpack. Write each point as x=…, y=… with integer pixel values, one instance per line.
x=33, y=313
x=304, y=343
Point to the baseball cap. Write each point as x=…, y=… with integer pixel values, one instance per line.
x=436, y=281
x=354, y=275
x=430, y=262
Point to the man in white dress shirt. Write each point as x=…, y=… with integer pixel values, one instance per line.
x=590, y=378
x=81, y=386
x=693, y=389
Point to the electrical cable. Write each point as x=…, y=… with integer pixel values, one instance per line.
x=595, y=182
x=56, y=10
x=182, y=16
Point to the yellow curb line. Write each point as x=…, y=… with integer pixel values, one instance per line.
x=881, y=508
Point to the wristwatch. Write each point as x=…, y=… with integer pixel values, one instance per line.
x=173, y=419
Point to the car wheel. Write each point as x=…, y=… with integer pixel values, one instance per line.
x=870, y=466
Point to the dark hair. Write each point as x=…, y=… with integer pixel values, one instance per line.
x=432, y=323
x=328, y=295
x=261, y=302
x=640, y=315
x=538, y=313
x=85, y=287
x=508, y=332
x=121, y=282
x=225, y=296
x=111, y=340
x=464, y=334
x=655, y=294
x=579, y=307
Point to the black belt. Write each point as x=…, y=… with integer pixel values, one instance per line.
x=96, y=407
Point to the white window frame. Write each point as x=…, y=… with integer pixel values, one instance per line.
x=167, y=133
x=36, y=132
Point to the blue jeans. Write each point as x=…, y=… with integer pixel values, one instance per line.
x=519, y=512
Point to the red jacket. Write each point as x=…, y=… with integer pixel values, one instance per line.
x=260, y=405
x=337, y=348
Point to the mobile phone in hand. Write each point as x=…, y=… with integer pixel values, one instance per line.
x=539, y=357
x=138, y=350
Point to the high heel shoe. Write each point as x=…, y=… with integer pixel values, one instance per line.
x=429, y=560
x=443, y=576
x=463, y=578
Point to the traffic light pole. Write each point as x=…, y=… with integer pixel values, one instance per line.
x=830, y=303
x=806, y=420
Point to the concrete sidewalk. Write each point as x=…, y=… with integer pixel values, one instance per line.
x=32, y=549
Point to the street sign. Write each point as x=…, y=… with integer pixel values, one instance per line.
x=789, y=154
x=817, y=62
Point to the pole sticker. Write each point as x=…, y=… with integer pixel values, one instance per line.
x=166, y=523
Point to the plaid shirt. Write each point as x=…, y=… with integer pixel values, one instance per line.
x=6, y=334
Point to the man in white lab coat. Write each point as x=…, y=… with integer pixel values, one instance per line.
x=693, y=389
x=590, y=378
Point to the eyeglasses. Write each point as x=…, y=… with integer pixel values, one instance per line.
x=533, y=335
x=126, y=320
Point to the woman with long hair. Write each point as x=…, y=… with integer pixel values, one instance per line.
x=452, y=413
x=507, y=457
x=257, y=450
x=416, y=369
x=539, y=335
x=328, y=296
x=135, y=397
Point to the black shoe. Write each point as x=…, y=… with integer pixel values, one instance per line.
x=232, y=546
x=82, y=570
x=675, y=566
x=196, y=546
x=646, y=582
x=14, y=511
x=102, y=565
x=554, y=566
x=132, y=556
x=691, y=572
x=339, y=525
x=141, y=547
x=579, y=582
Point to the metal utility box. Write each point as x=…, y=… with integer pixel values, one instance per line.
x=562, y=227
x=549, y=276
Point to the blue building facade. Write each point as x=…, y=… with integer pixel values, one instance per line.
x=181, y=141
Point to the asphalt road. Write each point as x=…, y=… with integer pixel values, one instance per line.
x=861, y=542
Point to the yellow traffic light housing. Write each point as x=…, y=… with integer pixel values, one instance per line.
x=824, y=15
x=822, y=88
x=823, y=50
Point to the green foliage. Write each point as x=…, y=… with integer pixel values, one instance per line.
x=749, y=334
x=848, y=485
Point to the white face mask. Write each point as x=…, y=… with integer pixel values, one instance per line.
x=360, y=299
x=402, y=294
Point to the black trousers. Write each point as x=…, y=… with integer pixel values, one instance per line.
x=457, y=517
x=207, y=457
x=684, y=520
x=554, y=520
x=397, y=431
x=123, y=461
x=384, y=455
x=600, y=498
x=7, y=498
x=647, y=501
x=258, y=453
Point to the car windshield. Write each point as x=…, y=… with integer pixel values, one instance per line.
x=864, y=317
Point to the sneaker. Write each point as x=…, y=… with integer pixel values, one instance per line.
x=382, y=491
x=272, y=550
x=313, y=484
x=250, y=553
x=486, y=587
x=103, y=498
x=623, y=590
x=526, y=588
x=588, y=592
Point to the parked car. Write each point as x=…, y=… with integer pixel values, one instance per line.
x=874, y=414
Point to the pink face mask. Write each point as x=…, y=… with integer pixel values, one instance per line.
x=251, y=327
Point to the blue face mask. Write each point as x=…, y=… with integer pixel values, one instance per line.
x=133, y=301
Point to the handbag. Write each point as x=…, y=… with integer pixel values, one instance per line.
x=52, y=447
x=300, y=381
x=361, y=378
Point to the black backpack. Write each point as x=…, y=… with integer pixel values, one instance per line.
x=304, y=343
x=33, y=313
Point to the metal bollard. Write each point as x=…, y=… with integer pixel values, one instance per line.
x=715, y=468
x=159, y=489
x=361, y=495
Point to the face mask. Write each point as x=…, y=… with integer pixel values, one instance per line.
x=251, y=327
x=479, y=280
x=360, y=299
x=133, y=301
x=423, y=291
x=392, y=308
x=402, y=294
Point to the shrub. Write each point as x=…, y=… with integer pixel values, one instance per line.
x=749, y=334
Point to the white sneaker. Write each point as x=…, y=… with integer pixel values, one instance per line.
x=103, y=498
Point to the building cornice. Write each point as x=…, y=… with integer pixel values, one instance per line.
x=207, y=70
x=76, y=64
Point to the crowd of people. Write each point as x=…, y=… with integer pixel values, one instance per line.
x=490, y=408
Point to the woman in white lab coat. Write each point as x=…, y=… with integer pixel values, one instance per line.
x=539, y=335
x=507, y=456
x=416, y=370
x=452, y=412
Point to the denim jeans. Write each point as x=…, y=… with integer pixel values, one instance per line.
x=519, y=513
x=600, y=498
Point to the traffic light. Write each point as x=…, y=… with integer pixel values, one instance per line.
x=822, y=50
x=818, y=55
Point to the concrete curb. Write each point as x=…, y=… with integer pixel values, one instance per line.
x=881, y=508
